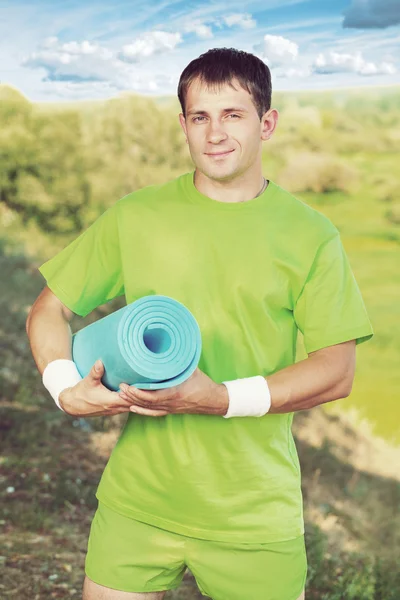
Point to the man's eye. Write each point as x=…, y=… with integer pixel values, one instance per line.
x=230, y=115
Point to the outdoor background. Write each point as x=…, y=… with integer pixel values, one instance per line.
x=62, y=166
x=81, y=126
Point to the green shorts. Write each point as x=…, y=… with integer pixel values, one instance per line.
x=131, y=556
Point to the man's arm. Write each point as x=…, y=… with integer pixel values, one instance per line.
x=48, y=329
x=50, y=338
x=326, y=375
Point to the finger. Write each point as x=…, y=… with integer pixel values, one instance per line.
x=128, y=397
x=122, y=402
x=125, y=403
x=150, y=396
x=142, y=395
x=147, y=411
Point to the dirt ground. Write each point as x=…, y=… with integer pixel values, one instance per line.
x=50, y=466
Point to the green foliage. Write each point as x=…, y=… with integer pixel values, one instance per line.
x=318, y=172
x=43, y=174
x=350, y=575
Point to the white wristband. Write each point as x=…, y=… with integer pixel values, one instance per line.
x=58, y=375
x=248, y=397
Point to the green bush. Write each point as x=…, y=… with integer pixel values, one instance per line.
x=318, y=172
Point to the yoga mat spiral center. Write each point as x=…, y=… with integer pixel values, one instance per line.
x=156, y=339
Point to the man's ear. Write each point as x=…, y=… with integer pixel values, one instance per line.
x=269, y=121
x=182, y=121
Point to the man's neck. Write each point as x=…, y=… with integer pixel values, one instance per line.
x=235, y=190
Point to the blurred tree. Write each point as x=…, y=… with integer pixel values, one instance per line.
x=43, y=174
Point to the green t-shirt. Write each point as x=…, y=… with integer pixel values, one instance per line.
x=252, y=273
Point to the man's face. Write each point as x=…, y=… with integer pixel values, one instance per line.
x=224, y=120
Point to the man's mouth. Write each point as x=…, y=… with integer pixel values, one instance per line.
x=219, y=153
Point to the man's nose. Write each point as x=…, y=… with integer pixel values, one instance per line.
x=216, y=132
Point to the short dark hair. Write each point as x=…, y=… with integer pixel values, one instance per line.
x=218, y=66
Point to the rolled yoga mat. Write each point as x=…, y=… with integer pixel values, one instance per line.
x=152, y=343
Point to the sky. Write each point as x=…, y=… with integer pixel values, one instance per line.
x=76, y=50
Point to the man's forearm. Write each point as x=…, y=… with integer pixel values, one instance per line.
x=306, y=384
x=303, y=385
x=49, y=335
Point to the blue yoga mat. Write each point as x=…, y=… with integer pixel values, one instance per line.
x=152, y=343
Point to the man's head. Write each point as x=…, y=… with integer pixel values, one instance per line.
x=222, y=79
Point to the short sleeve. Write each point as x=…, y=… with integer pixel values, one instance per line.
x=330, y=309
x=88, y=272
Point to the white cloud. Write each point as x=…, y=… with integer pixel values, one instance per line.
x=50, y=41
x=202, y=30
x=293, y=73
x=277, y=50
x=148, y=44
x=336, y=62
x=368, y=14
x=74, y=67
x=72, y=60
x=243, y=20
x=203, y=27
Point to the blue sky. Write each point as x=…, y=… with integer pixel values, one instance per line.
x=54, y=51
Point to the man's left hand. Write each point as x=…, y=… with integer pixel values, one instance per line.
x=199, y=394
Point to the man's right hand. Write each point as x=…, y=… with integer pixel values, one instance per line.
x=90, y=398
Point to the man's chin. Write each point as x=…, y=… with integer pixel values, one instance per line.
x=219, y=173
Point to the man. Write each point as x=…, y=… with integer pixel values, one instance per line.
x=206, y=474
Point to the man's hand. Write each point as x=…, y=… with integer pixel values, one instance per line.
x=197, y=395
x=90, y=398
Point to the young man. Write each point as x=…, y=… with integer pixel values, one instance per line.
x=206, y=474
